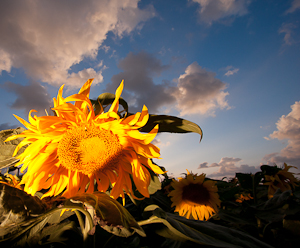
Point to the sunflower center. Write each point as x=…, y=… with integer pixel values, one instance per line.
x=88, y=149
x=195, y=193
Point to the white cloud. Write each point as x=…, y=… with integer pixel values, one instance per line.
x=231, y=71
x=197, y=90
x=228, y=168
x=294, y=7
x=211, y=11
x=288, y=128
x=200, y=92
x=46, y=38
x=159, y=143
x=288, y=30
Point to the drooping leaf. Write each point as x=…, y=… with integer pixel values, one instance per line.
x=272, y=210
x=200, y=232
x=7, y=148
x=154, y=185
x=277, y=201
x=110, y=214
x=56, y=234
x=32, y=228
x=171, y=124
x=108, y=98
x=17, y=206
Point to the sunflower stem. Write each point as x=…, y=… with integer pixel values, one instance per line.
x=254, y=189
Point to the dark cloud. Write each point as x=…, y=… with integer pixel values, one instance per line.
x=138, y=72
x=32, y=96
x=203, y=165
x=6, y=126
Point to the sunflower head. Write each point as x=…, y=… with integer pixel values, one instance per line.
x=282, y=179
x=243, y=197
x=79, y=151
x=194, y=197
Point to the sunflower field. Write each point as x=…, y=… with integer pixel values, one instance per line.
x=84, y=176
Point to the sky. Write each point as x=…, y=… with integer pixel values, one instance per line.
x=230, y=66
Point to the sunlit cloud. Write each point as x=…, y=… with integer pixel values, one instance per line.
x=212, y=11
x=46, y=38
x=199, y=92
x=159, y=143
x=32, y=96
x=288, y=128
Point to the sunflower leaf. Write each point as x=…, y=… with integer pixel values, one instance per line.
x=56, y=234
x=7, y=148
x=171, y=124
x=110, y=214
x=24, y=217
x=108, y=98
x=200, y=232
x=17, y=206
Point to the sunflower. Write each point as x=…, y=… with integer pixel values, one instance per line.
x=194, y=197
x=77, y=151
x=282, y=180
x=243, y=197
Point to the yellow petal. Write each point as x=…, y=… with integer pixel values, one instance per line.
x=115, y=105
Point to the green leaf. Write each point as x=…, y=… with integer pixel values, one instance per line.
x=106, y=99
x=236, y=217
x=292, y=225
x=277, y=201
x=17, y=206
x=200, y=232
x=171, y=124
x=110, y=214
x=55, y=234
x=7, y=148
x=154, y=185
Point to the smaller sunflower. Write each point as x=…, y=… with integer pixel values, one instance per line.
x=195, y=197
x=282, y=180
x=243, y=197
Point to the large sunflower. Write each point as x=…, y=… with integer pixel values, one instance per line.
x=77, y=151
x=282, y=180
x=194, y=197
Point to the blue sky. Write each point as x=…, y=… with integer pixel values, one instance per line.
x=231, y=66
